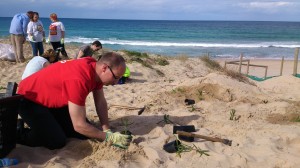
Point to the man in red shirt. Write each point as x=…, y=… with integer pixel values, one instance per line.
x=54, y=104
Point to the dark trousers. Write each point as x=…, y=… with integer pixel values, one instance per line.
x=49, y=127
x=37, y=48
x=56, y=45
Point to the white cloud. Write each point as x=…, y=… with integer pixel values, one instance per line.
x=269, y=5
x=159, y=9
x=114, y=4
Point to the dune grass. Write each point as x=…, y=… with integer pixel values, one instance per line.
x=214, y=65
x=145, y=60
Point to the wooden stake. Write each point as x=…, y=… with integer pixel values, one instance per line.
x=281, y=67
x=248, y=62
x=240, y=65
x=296, y=61
x=266, y=72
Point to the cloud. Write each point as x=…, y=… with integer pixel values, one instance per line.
x=266, y=5
x=159, y=9
x=269, y=5
x=114, y=4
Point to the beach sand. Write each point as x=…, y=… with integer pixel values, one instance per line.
x=263, y=132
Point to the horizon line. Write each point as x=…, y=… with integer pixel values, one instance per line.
x=217, y=20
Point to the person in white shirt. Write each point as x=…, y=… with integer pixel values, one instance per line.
x=57, y=34
x=39, y=62
x=36, y=34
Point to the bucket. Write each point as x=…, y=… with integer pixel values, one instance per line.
x=185, y=128
x=172, y=147
x=8, y=122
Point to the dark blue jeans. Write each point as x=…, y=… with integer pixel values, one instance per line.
x=37, y=47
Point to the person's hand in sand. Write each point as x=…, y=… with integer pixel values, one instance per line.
x=118, y=139
x=54, y=104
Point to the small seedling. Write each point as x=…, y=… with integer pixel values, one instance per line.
x=125, y=123
x=169, y=80
x=200, y=151
x=186, y=148
x=297, y=119
x=192, y=108
x=166, y=120
x=178, y=90
x=265, y=101
x=200, y=94
x=232, y=115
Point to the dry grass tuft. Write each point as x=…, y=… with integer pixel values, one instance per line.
x=236, y=75
x=212, y=64
x=182, y=58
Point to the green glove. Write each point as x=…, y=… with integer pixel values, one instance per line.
x=62, y=41
x=118, y=139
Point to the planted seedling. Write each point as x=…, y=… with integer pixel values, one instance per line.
x=192, y=108
x=126, y=123
x=187, y=148
x=297, y=119
x=233, y=116
x=200, y=94
x=167, y=120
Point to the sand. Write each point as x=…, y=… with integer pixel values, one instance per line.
x=263, y=131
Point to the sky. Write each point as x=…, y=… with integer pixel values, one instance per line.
x=240, y=10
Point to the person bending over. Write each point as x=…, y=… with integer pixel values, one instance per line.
x=54, y=102
x=88, y=50
x=39, y=62
x=18, y=33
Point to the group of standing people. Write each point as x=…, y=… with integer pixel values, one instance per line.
x=35, y=31
x=25, y=25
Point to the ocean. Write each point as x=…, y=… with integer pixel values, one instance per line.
x=221, y=39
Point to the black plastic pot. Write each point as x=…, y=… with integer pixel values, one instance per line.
x=189, y=101
x=185, y=128
x=172, y=147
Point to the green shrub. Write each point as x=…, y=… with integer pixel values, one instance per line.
x=135, y=53
x=162, y=61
